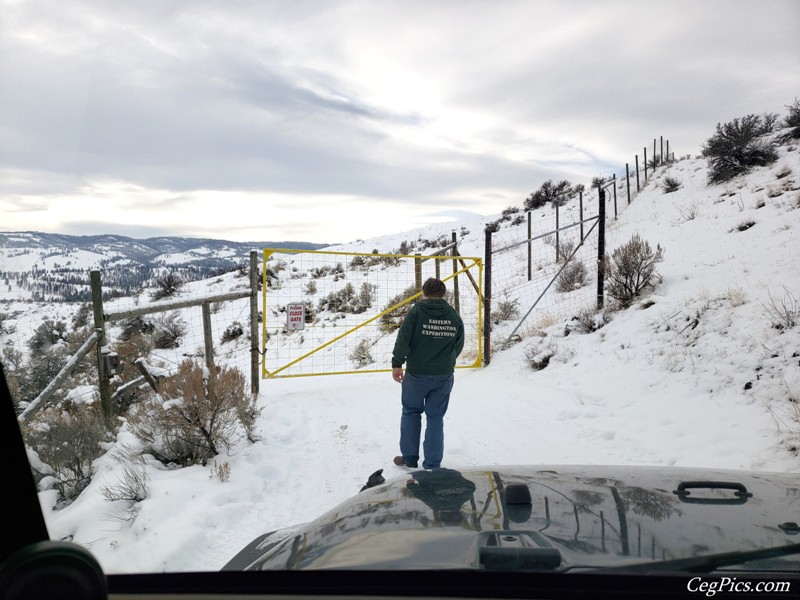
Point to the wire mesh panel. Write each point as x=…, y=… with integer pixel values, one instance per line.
x=544, y=269
x=338, y=312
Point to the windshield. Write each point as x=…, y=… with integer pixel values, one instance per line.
x=219, y=224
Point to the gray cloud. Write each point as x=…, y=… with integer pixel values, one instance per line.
x=354, y=98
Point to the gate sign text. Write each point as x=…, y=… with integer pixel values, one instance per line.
x=295, y=316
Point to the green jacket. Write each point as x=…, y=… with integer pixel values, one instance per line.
x=430, y=339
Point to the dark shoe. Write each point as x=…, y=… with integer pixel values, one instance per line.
x=400, y=462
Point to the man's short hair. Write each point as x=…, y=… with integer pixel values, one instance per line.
x=434, y=288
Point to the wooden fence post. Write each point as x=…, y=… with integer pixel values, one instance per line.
x=103, y=383
x=207, y=335
x=645, y=164
x=454, y=252
x=418, y=271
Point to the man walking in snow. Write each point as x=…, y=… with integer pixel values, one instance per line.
x=429, y=341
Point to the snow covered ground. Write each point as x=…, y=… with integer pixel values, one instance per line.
x=695, y=374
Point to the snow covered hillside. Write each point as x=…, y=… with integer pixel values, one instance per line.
x=703, y=371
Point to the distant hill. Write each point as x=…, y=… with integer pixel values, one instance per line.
x=53, y=267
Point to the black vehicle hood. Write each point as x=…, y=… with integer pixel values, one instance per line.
x=555, y=518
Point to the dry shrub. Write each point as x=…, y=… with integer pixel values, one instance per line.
x=361, y=355
x=169, y=329
x=233, y=331
x=133, y=485
x=671, y=184
x=783, y=311
x=391, y=321
x=632, y=269
x=572, y=277
x=200, y=413
x=505, y=310
x=589, y=321
x=167, y=285
x=68, y=442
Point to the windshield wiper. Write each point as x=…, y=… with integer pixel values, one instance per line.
x=710, y=562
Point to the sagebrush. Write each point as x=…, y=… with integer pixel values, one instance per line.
x=199, y=412
x=740, y=144
x=631, y=269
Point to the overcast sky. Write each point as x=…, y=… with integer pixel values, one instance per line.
x=332, y=121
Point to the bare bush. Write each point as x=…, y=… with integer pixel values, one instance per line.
x=232, y=332
x=169, y=329
x=632, y=268
x=135, y=325
x=589, y=320
x=68, y=441
x=133, y=485
x=361, y=355
x=221, y=471
x=783, y=312
x=572, y=277
x=505, y=310
x=167, y=285
x=671, y=184
x=200, y=413
x=744, y=225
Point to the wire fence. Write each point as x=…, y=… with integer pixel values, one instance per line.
x=338, y=312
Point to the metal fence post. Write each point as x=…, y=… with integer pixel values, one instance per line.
x=530, y=247
x=637, y=174
x=601, y=248
x=645, y=164
x=614, y=178
x=628, y=181
x=558, y=230
x=418, y=271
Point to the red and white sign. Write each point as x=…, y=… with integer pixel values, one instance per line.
x=295, y=316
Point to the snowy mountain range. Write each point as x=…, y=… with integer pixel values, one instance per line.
x=53, y=267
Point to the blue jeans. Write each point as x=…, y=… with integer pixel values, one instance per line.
x=429, y=394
